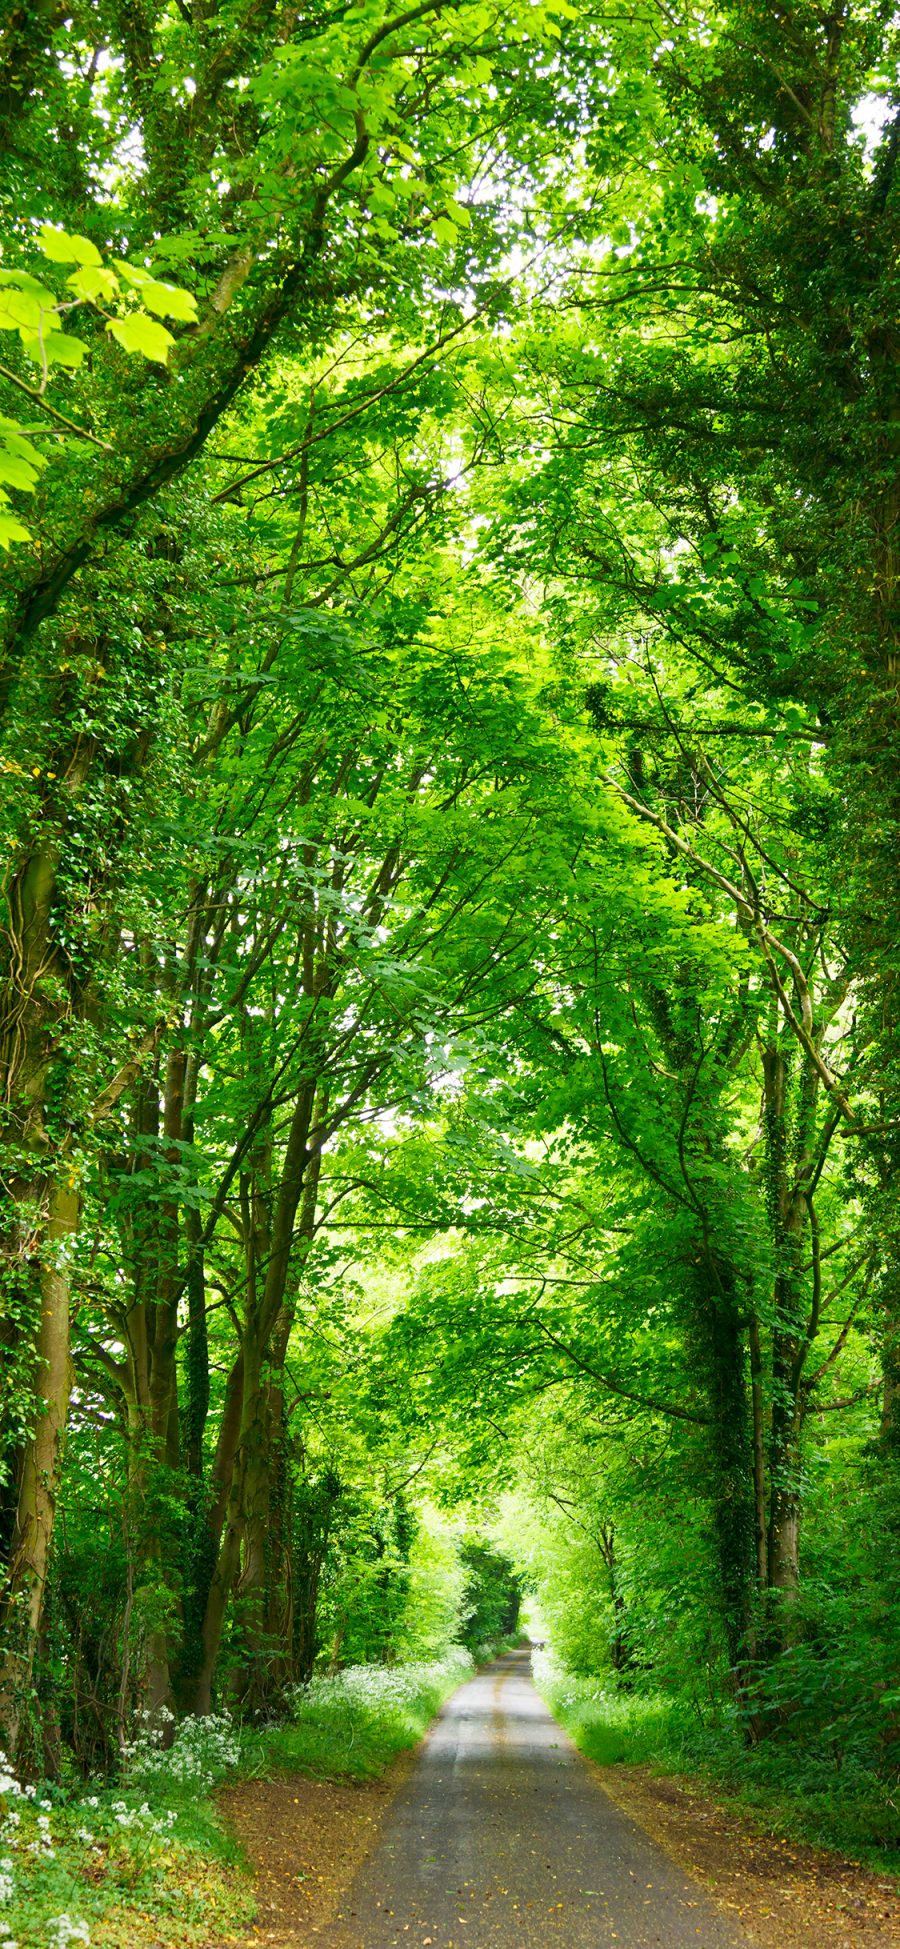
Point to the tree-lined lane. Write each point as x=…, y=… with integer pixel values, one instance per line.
x=501, y=1838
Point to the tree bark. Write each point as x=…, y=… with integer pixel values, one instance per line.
x=732, y=1463
x=41, y=1461
x=268, y=1251
x=759, y=1453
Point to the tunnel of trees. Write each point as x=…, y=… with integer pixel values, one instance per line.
x=450, y=1023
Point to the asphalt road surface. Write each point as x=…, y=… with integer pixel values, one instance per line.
x=502, y=1838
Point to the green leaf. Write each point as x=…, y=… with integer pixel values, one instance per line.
x=63, y=248
x=131, y=274
x=12, y=438
x=93, y=281
x=139, y=333
x=58, y=348
x=16, y=472
x=11, y=528
x=24, y=282
x=18, y=311
x=166, y=300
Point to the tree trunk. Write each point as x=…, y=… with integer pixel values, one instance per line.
x=620, y=1650
x=783, y=1543
x=732, y=1463
x=148, y=1385
x=268, y=1252
x=243, y=1488
x=39, y=1479
x=759, y=1454
x=788, y=1163
x=266, y=1582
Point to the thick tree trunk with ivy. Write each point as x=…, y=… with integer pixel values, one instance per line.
x=147, y=1375
x=267, y=1575
x=26, y=1571
x=791, y=1170
x=723, y=1339
x=35, y=999
x=269, y=1214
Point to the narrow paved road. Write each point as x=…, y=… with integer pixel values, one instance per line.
x=501, y=1838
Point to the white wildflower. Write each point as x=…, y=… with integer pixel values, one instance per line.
x=202, y=1751
x=63, y=1931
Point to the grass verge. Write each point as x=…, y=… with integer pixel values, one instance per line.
x=150, y=1861
x=352, y=1726
x=812, y=1794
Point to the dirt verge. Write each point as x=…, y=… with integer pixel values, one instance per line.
x=787, y=1896
x=305, y=1840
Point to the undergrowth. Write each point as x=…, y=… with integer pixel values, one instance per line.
x=815, y=1791
x=354, y=1724
x=149, y=1860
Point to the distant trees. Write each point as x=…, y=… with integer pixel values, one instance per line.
x=491, y=1597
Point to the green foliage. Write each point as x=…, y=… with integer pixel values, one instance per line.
x=491, y=1597
x=616, y=1728
x=448, y=926
x=35, y=313
x=354, y=1724
x=154, y=1863
x=810, y=1745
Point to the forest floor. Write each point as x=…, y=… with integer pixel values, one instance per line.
x=309, y=1842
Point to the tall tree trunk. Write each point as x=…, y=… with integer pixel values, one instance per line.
x=732, y=1462
x=889, y=1309
x=268, y=1254
x=35, y=991
x=41, y=1459
x=759, y=1454
x=266, y=1583
x=150, y=1378
x=242, y=1489
x=790, y=1171
x=783, y=1548
x=620, y=1649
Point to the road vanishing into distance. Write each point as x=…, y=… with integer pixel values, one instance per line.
x=502, y=1838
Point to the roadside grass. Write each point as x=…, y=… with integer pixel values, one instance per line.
x=828, y=1794
x=151, y=1861
x=352, y=1725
